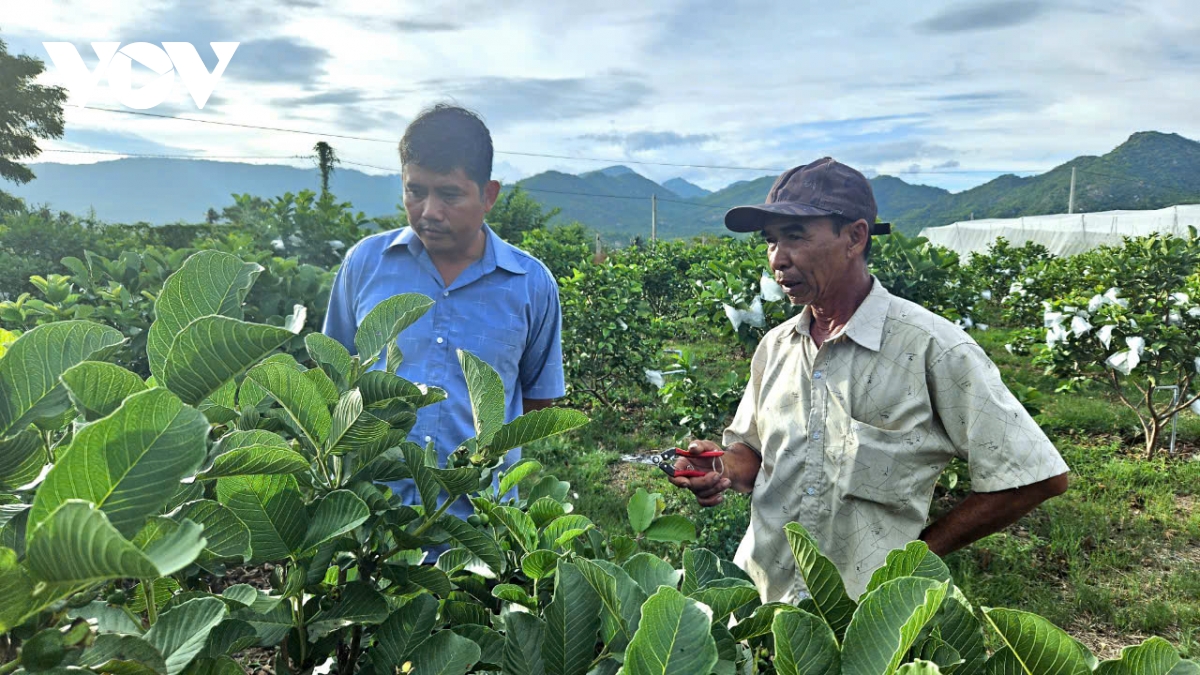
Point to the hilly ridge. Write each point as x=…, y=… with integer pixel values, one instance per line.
x=1150, y=170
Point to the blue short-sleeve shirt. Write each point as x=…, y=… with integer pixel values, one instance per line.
x=504, y=309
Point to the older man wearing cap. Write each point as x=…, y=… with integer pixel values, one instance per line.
x=855, y=406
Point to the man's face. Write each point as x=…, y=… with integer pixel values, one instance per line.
x=808, y=258
x=446, y=210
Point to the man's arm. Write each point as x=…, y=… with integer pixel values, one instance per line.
x=531, y=404
x=984, y=513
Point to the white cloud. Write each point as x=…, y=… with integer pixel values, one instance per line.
x=884, y=85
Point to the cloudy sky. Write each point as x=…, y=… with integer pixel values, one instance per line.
x=939, y=92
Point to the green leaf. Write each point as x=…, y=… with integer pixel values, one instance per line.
x=378, y=386
x=804, y=645
x=226, y=536
x=427, y=485
x=650, y=572
x=29, y=372
x=404, y=630
x=532, y=427
x=256, y=460
x=478, y=543
x=673, y=528
x=822, y=579
x=353, y=429
x=298, y=397
x=487, y=396
x=229, y=637
x=519, y=472
x=78, y=545
x=674, y=637
x=98, y=388
x=887, y=623
x=181, y=633
x=491, y=644
x=129, y=463
x=642, y=508
x=562, y=530
x=22, y=457
x=725, y=596
x=272, y=508
x=208, y=283
x=336, y=514
x=700, y=568
x=572, y=623
x=457, y=482
x=445, y=654
x=914, y=560
x=325, y=386
x=331, y=356
x=212, y=350
x=359, y=604
x=514, y=593
x=1036, y=646
x=106, y=618
x=550, y=487
x=123, y=655
x=430, y=578
x=383, y=324
x=614, y=630
x=523, y=643
x=761, y=621
x=520, y=525
x=15, y=590
x=1155, y=656
x=539, y=564
x=545, y=510
x=961, y=629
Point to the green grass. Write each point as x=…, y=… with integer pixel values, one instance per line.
x=1114, y=560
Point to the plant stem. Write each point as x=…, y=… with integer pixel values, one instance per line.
x=355, y=648
x=151, y=606
x=432, y=519
x=9, y=667
x=298, y=615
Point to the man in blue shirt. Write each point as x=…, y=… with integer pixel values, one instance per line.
x=490, y=298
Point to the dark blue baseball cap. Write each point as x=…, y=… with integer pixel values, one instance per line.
x=825, y=187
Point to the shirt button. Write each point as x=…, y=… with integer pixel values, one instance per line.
x=811, y=491
x=818, y=374
x=428, y=439
x=816, y=436
x=440, y=341
x=445, y=294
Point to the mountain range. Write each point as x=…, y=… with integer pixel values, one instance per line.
x=1150, y=170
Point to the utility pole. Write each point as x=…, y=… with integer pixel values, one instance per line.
x=653, y=216
x=1071, y=198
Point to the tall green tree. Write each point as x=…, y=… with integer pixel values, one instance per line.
x=28, y=112
x=517, y=212
x=326, y=158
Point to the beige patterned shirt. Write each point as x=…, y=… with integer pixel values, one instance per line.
x=854, y=435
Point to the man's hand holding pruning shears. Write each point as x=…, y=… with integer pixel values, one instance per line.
x=706, y=469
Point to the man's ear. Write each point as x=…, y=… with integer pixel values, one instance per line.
x=859, y=233
x=491, y=192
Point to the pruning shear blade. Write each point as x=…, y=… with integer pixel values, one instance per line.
x=665, y=460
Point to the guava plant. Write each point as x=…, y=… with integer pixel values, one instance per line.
x=1135, y=338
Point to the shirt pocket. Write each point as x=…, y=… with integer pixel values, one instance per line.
x=876, y=464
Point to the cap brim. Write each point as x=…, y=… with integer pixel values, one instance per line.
x=752, y=218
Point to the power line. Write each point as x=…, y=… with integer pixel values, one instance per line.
x=606, y=160
x=156, y=156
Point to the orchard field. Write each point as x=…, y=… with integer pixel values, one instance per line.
x=238, y=527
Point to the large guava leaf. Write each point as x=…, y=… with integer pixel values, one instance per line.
x=822, y=579
x=673, y=638
x=384, y=323
x=573, y=620
x=209, y=283
x=1034, y=646
x=29, y=373
x=804, y=644
x=887, y=623
x=210, y=351
x=128, y=464
x=98, y=388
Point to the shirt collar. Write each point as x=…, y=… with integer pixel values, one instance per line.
x=866, y=324
x=501, y=252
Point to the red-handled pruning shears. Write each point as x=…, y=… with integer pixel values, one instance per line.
x=665, y=460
